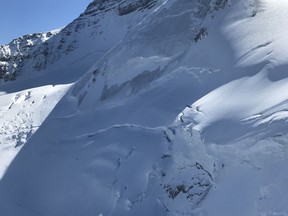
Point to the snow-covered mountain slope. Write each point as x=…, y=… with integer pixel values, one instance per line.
x=35, y=63
x=187, y=115
x=60, y=52
x=21, y=114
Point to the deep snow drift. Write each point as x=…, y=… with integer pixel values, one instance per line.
x=185, y=116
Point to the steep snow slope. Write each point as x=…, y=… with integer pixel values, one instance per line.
x=21, y=114
x=37, y=62
x=186, y=116
x=55, y=56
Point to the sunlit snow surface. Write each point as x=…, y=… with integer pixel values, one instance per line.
x=21, y=114
x=169, y=122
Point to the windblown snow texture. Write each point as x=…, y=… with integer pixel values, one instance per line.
x=160, y=107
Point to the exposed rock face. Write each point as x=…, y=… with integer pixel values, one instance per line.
x=126, y=8
x=13, y=55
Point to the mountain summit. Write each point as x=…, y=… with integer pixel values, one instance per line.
x=148, y=107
